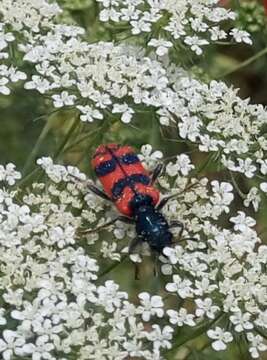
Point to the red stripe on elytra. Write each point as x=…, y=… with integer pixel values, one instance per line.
x=107, y=152
x=122, y=204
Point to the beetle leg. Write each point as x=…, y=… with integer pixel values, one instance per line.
x=111, y=222
x=98, y=192
x=136, y=271
x=93, y=188
x=156, y=172
x=126, y=220
x=189, y=238
x=135, y=242
x=178, y=224
x=181, y=226
x=164, y=201
x=156, y=265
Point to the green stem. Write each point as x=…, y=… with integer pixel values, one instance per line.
x=193, y=352
x=227, y=43
x=35, y=171
x=36, y=147
x=61, y=147
x=47, y=115
x=112, y=267
x=27, y=177
x=236, y=186
x=237, y=3
x=261, y=333
x=82, y=138
x=245, y=63
x=205, y=164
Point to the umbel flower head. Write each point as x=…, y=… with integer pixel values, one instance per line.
x=63, y=304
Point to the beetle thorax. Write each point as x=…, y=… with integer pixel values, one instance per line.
x=152, y=227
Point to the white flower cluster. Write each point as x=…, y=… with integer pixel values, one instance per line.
x=58, y=301
x=8, y=74
x=5, y=38
x=217, y=120
x=194, y=23
x=29, y=16
x=9, y=174
x=103, y=78
x=53, y=298
x=212, y=116
x=220, y=270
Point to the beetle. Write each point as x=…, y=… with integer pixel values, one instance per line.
x=129, y=186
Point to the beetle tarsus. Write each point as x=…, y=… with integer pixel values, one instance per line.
x=111, y=222
x=99, y=192
x=178, y=224
x=136, y=271
x=156, y=173
x=133, y=244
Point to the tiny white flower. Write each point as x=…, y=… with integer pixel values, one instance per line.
x=174, y=254
x=5, y=38
x=139, y=26
x=195, y=43
x=263, y=187
x=15, y=75
x=150, y=305
x=64, y=99
x=89, y=114
x=160, y=338
x=184, y=164
x=9, y=174
x=161, y=45
x=182, y=287
x=11, y=344
x=181, y=317
x=189, y=127
x=41, y=349
x=205, y=307
x=263, y=164
x=241, y=36
x=2, y=318
x=246, y=166
x=109, y=296
x=222, y=197
x=217, y=33
x=38, y=83
x=3, y=88
x=253, y=198
x=221, y=338
x=241, y=321
x=242, y=222
x=256, y=345
x=148, y=156
x=125, y=110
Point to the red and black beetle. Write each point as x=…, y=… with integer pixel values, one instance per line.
x=128, y=185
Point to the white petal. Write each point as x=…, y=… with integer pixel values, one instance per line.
x=3, y=345
x=218, y=345
x=171, y=287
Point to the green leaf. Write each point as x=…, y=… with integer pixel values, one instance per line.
x=75, y=4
